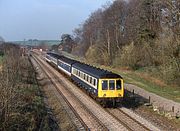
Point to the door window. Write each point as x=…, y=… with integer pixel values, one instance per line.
x=111, y=85
x=118, y=85
x=104, y=85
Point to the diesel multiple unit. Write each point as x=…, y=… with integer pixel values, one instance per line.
x=101, y=84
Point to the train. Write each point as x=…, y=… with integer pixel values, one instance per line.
x=104, y=86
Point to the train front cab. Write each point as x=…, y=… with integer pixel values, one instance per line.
x=111, y=89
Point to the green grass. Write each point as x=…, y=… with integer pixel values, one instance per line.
x=72, y=56
x=136, y=78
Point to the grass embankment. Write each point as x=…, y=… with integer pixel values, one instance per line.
x=149, y=83
x=143, y=80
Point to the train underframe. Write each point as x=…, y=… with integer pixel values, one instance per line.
x=109, y=102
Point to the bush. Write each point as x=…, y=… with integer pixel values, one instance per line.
x=168, y=56
x=96, y=54
x=164, y=55
x=135, y=56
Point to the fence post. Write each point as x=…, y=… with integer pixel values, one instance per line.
x=133, y=92
x=172, y=108
x=149, y=100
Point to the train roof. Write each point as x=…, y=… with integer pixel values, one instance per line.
x=93, y=71
x=68, y=60
x=62, y=58
x=96, y=72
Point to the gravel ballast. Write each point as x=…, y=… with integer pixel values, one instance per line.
x=158, y=102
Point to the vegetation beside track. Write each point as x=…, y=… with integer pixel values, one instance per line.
x=1, y=58
x=21, y=101
x=148, y=82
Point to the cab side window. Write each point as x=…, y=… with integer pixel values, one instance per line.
x=111, y=84
x=118, y=85
x=104, y=85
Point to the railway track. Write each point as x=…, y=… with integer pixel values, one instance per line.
x=129, y=122
x=78, y=122
x=109, y=119
x=93, y=121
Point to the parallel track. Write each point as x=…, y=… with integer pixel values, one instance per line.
x=79, y=122
x=129, y=122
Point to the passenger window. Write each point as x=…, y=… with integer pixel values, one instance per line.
x=111, y=85
x=81, y=75
x=118, y=85
x=104, y=85
x=90, y=81
x=84, y=76
x=87, y=78
x=94, y=82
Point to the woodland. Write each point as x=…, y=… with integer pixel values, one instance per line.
x=136, y=34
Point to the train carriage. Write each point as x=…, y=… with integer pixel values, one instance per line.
x=48, y=57
x=65, y=64
x=53, y=58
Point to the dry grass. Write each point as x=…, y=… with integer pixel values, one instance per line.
x=54, y=102
x=152, y=79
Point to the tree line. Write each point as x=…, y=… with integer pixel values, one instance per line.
x=135, y=34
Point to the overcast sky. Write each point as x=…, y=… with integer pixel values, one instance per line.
x=43, y=19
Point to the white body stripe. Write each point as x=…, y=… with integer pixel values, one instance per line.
x=47, y=59
x=54, y=60
x=85, y=80
x=64, y=62
x=64, y=71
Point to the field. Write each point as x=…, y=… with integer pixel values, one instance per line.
x=38, y=42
